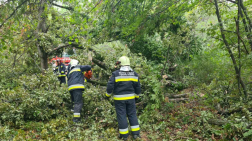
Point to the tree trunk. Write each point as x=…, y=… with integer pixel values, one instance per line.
x=239, y=41
x=42, y=28
x=229, y=50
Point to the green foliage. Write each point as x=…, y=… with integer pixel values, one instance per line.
x=35, y=98
x=155, y=35
x=151, y=47
x=210, y=65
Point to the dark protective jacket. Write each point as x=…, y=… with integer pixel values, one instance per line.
x=61, y=69
x=75, y=77
x=124, y=84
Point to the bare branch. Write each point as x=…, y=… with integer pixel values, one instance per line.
x=13, y=12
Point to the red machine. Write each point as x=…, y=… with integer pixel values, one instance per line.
x=65, y=60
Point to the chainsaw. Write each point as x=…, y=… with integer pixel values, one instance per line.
x=88, y=74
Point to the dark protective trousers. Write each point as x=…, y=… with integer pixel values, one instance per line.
x=124, y=109
x=72, y=99
x=76, y=96
x=62, y=79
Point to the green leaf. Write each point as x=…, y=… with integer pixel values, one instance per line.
x=76, y=40
x=249, y=133
x=69, y=43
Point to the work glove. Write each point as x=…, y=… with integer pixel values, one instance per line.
x=107, y=96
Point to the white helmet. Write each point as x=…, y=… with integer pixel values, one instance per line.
x=124, y=61
x=74, y=62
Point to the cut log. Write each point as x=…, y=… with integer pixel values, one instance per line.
x=219, y=122
x=169, y=83
x=232, y=111
x=179, y=99
x=178, y=95
x=168, y=77
x=229, y=112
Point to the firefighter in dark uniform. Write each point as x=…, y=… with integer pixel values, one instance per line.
x=61, y=71
x=76, y=86
x=72, y=100
x=124, y=84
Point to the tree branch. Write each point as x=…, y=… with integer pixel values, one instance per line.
x=247, y=52
x=229, y=49
x=64, y=7
x=13, y=12
x=232, y=1
x=99, y=63
x=247, y=28
x=57, y=48
x=95, y=6
x=246, y=14
x=113, y=9
x=77, y=46
x=96, y=61
x=97, y=82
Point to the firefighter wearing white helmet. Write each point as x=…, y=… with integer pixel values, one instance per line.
x=76, y=86
x=124, y=84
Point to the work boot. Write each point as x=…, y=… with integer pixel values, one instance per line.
x=136, y=137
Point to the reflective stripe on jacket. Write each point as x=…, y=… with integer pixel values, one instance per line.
x=124, y=84
x=61, y=69
x=76, y=77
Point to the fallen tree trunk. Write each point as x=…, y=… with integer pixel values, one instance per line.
x=100, y=63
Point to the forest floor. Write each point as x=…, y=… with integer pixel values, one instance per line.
x=183, y=121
